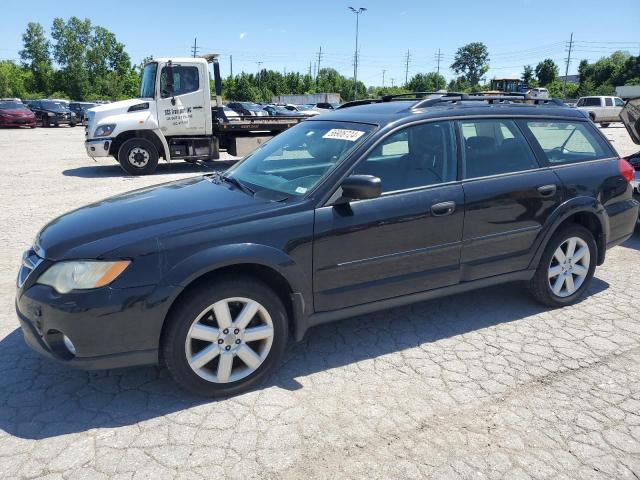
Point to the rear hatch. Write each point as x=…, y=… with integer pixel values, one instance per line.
x=630, y=116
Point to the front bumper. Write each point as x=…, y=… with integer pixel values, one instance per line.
x=63, y=120
x=98, y=147
x=109, y=327
x=17, y=122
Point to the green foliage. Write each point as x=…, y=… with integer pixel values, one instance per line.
x=546, y=71
x=602, y=76
x=36, y=57
x=472, y=61
x=527, y=74
x=14, y=79
x=426, y=82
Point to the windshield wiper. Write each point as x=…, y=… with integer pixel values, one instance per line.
x=238, y=183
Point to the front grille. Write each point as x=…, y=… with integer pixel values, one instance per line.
x=29, y=263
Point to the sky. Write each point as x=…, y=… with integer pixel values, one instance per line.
x=287, y=35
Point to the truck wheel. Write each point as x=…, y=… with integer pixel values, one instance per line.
x=604, y=125
x=225, y=337
x=138, y=156
x=566, y=267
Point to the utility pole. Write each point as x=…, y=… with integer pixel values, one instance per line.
x=259, y=75
x=319, y=60
x=355, y=60
x=231, y=65
x=383, y=72
x=406, y=69
x=438, y=59
x=195, y=48
x=392, y=81
x=566, y=70
x=309, y=68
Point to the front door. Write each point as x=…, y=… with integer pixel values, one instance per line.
x=508, y=198
x=407, y=240
x=181, y=112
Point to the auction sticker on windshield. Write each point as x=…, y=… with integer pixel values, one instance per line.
x=343, y=134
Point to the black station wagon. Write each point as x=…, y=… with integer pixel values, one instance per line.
x=367, y=207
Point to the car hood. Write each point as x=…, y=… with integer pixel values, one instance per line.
x=630, y=116
x=17, y=112
x=133, y=222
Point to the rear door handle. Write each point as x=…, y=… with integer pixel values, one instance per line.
x=198, y=107
x=443, y=208
x=547, y=190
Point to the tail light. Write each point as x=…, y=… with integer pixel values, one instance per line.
x=626, y=170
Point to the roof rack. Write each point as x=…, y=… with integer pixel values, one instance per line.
x=455, y=97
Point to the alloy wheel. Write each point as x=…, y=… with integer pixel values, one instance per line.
x=569, y=267
x=229, y=340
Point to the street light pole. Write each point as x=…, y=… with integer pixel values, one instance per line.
x=355, y=60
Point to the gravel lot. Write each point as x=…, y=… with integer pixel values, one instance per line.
x=487, y=384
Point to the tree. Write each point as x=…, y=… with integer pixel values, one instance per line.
x=546, y=71
x=426, y=82
x=13, y=80
x=472, y=61
x=527, y=74
x=36, y=57
x=72, y=39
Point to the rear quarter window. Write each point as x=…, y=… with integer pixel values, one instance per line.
x=568, y=142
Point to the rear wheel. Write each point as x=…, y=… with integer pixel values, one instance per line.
x=72, y=124
x=138, y=156
x=225, y=337
x=566, y=267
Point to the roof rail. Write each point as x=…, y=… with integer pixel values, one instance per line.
x=490, y=99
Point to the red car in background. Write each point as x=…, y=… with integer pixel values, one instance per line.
x=16, y=114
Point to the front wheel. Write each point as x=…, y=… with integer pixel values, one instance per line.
x=226, y=337
x=138, y=156
x=566, y=267
x=72, y=124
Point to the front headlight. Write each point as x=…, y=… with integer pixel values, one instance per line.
x=104, y=130
x=82, y=274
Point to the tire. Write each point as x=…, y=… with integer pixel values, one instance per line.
x=197, y=306
x=604, y=125
x=138, y=156
x=72, y=124
x=541, y=286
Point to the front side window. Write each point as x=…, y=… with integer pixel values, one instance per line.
x=567, y=142
x=417, y=156
x=148, y=83
x=185, y=80
x=295, y=161
x=493, y=147
x=619, y=102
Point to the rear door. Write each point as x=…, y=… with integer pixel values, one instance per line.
x=182, y=111
x=508, y=197
x=403, y=242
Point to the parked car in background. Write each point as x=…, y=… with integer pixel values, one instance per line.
x=247, y=109
x=80, y=109
x=279, y=111
x=52, y=113
x=230, y=114
x=361, y=209
x=302, y=110
x=16, y=114
x=327, y=106
x=539, y=92
x=601, y=109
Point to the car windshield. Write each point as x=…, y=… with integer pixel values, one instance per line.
x=295, y=161
x=252, y=106
x=12, y=106
x=148, y=83
x=54, y=106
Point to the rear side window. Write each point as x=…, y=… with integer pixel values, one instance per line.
x=608, y=102
x=591, y=102
x=567, y=142
x=492, y=147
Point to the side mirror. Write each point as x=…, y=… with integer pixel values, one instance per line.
x=361, y=187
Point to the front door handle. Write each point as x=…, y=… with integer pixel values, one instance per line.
x=443, y=208
x=547, y=190
x=199, y=107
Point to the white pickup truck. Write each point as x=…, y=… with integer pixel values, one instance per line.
x=173, y=118
x=601, y=109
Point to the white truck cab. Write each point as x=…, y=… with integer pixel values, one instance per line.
x=173, y=118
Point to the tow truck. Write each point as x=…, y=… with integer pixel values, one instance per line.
x=174, y=118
